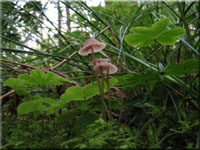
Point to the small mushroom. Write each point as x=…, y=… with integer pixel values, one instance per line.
x=105, y=67
x=91, y=46
x=98, y=60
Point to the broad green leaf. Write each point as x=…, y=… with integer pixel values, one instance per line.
x=73, y=93
x=144, y=36
x=61, y=79
x=159, y=27
x=49, y=101
x=17, y=84
x=38, y=77
x=28, y=79
x=169, y=37
x=28, y=107
x=191, y=66
x=139, y=39
x=86, y=92
x=34, y=105
x=91, y=90
x=142, y=30
x=187, y=67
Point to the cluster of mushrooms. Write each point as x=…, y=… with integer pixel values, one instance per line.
x=92, y=46
x=101, y=66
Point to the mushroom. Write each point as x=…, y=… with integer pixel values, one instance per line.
x=91, y=46
x=98, y=60
x=105, y=67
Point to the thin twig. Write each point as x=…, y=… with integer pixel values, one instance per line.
x=172, y=10
x=62, y=62
x=154, y=53
x=32, y=67
x=15, y=69
x=115, y=41
x=102, y=31
x=177, y=92
x=13, y=62
x=7, y=94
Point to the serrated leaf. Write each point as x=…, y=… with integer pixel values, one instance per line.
x=61, y=79
x=38, y=77
x=169, y=37
x=17, y=84
x=28, y=79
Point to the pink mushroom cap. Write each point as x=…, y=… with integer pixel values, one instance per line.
x=98, y=60
x=89, y=45
x=105, y=67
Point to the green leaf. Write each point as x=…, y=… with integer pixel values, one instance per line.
x=142, y=30
x=86, y=92
x=169, y=37
x=159, y=27
x=49, y=101
x=17, y=84
x=187, y=67
x=73, y=93
x=28, y=79
x=28, y=107
x=138, y=39
x=61, y=79
x=35, y=105
x=144, y=36
x=91, y=90
x=38, y=77
x=191, y=66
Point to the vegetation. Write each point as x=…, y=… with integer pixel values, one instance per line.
x=52, y=97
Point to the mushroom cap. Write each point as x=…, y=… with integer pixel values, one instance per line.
x=105, y=67
x=89, y=45
x=98, y=60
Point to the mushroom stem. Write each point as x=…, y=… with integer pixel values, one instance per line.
x=110, y=110
x=92, y=53
x=103, y=110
